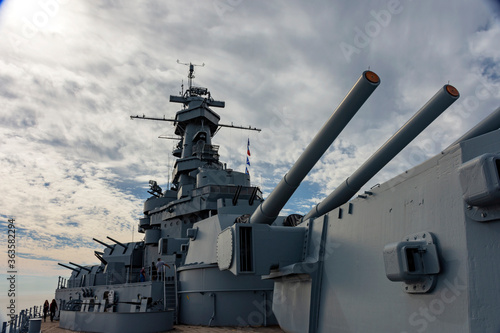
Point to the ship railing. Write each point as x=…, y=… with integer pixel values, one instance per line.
x=134, y=275
x=176, y=295
x=62, y=283
x=131, y=276
x=205, y=151
x=151, y=273
x=20, y=323
x=214, y=149
x=164, y=289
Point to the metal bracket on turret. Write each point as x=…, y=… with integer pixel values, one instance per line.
x=192, y=233
x=483, y=214
x=414, y=261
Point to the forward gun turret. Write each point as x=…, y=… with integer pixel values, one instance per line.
x=253, y=252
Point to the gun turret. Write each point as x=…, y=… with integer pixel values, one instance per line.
x=268, y=210
x=118, y=243
x=426, y=115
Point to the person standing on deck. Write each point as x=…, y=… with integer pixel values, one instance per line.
x=160, y=267
x=53, y=309
x=45, y=310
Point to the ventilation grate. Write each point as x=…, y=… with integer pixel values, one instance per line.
x=498, y=167
x=246, y=257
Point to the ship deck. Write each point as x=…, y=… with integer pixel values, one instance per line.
x=53, y=327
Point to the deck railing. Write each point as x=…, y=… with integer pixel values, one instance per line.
x=20, y=323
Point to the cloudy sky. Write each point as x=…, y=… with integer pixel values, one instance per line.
x=74, y=166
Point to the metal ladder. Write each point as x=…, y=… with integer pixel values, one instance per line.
x=170, y=294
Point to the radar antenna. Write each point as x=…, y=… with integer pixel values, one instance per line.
x=191, y=72
x=194, y=92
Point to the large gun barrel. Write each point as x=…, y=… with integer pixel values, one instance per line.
x=79, y=266
x=73, y=269
x=490, y=123
x=99, y=256
x=102, y=243
x=426, y=115
x=117, y=242
x=270, y=208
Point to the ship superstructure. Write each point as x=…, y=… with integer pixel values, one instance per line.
x=204, y=197
x=417, y=253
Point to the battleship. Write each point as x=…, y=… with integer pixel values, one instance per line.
x=416, y=253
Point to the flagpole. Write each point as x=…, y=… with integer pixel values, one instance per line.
x=247, y=166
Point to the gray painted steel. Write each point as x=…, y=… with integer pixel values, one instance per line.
x=355, y=294
x=35, y=325
x=426, y=115
x=414, y=254
x=180, y=227
x=116, y=322
x=342, y=282
x=417, y=253
x=210, y=297
x=490, y=123
x=362, y=89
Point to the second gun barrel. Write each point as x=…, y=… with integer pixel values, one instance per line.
x=426, y=115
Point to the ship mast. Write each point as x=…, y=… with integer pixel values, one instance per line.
x=194, y=91
x=190, y=74
x=195, y=125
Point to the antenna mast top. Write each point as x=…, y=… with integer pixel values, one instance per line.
x=191, y=71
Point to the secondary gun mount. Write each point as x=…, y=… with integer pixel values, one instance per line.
x=423, y=118
x=267, y=211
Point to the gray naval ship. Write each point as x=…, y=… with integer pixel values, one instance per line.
x=419, y=253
